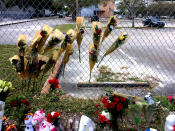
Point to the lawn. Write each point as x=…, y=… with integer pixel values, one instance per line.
x=65, y=27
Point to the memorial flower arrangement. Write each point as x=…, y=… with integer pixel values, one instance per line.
x=80, y=32
x=112, y=22
x=120, y=41
x=17, y=107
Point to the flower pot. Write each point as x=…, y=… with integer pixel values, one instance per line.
x=2, y=105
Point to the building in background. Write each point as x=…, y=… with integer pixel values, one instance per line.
x=106, y=8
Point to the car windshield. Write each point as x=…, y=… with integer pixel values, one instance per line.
x=155, y=19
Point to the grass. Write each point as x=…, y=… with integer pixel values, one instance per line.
x=107, y=75
x=65, y=27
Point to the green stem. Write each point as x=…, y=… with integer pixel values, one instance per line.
x=40, y=83
x=79, y=56
x=100, y=61
x=90, y=76
x=29, y=82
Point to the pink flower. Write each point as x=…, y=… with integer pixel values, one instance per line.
x=170, y=99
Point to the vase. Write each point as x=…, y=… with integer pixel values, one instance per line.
x=2, y=105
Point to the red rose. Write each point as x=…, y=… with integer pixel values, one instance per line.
x=108, y=122
x=97, y=105
x=82, y=31
x=116, y=99
x=107, y=104
x=49, y=118
x=56, y=115
x=12, y=103
x=95, y=113
x=24, y=101
x=98, y=31
x=104, y=100
x=50, y=81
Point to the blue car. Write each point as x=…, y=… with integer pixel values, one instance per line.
x=153, y=22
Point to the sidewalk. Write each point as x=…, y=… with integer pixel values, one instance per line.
x=4, y=23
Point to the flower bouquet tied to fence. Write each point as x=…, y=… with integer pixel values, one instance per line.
x=80, y=32
x=120, y=41
x=110, y=26
x=56, y=38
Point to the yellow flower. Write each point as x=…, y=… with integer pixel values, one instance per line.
x=122, y=37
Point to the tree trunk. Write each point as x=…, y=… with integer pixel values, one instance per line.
x=133, y=22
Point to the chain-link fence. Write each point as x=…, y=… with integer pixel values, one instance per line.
x=147, y=56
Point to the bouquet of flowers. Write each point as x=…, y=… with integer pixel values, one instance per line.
x=116, y=106
x=56, y=38
x=45, y=34
x=93, y=57
x=68, y=53
x=17, y=107
x=103, y=119
x=120, y=41
x=5, y=88
x=69, y=39
x=110, y=26
x=80, y=32
x=96, y=32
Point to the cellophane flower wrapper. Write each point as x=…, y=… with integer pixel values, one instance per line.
x=19, y=63
x=36, y=39
x=56, y=38
x=69, y=38
x=51, y=62
x=96, y=32
x=79, y=23
x=47, y=30
x=69, y=51
x=112, y=22
x=21, y=43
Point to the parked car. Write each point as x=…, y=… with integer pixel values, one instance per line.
x=94, y=18
x=153, y=22
x=60, y=15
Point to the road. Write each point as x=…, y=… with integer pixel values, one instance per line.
x=148, y=54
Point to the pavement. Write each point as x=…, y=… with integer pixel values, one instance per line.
x=148, y=54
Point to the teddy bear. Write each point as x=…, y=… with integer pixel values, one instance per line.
x=170, y=123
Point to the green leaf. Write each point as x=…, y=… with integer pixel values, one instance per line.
x=6, y=88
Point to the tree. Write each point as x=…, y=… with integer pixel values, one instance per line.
x=133, y=7
x=161, y=9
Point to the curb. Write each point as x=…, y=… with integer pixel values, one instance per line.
x=113, y=84
x=30, y=20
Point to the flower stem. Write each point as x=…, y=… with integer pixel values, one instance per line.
x=79, y=56
x=90, y=76
x=100, y=61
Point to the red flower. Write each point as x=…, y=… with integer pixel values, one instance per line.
x=97, y=105
x=98, y=31
x=104, y=100
x=170, y=99
x=24, y=101
x=102, y=119
x=49, y=118
x=107, y=104
x=54, y=82
x=122, y=99
x=56, y=115
x=112, y=105
x=116, y=99
x=82, y=31
x=95, y=113
x=119, y=107
x=12, y=103
x=173, y=128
